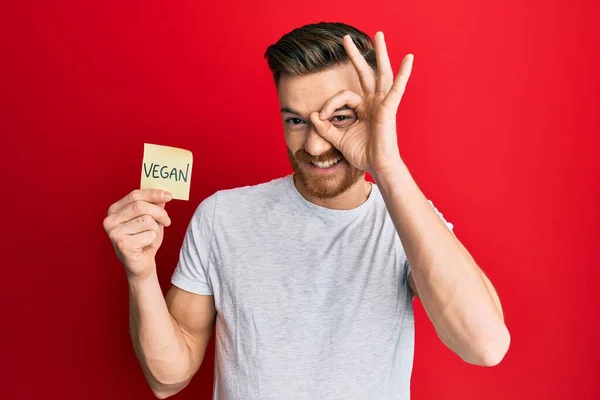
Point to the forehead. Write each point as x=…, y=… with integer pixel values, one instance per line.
x=308, y=93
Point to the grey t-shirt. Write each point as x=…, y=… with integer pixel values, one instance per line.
x=312, y=303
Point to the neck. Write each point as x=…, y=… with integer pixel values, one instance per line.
x=356, y=195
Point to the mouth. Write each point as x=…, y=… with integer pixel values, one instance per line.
x=325, y=165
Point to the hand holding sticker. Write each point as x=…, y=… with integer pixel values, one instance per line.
x=167, y=168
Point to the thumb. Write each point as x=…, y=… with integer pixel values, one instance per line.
x=326, y=130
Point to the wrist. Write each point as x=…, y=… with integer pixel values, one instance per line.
x=144, y=279
x=396, y=182
x=391, y=171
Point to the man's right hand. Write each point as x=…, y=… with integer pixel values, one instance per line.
x=135, y=226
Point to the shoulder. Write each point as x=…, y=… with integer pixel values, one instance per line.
x=243, y=200
x=381, y=207
x=252, y=193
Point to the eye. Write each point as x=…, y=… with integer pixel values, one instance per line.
x=293, y=121
x=342, y=120
x=341, y=117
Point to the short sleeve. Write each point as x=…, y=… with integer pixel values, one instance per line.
x=448, y=224
x=194, y=257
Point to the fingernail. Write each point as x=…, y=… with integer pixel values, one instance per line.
x=167, y=195
x=322, y=114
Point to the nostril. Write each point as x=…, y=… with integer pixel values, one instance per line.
x=316, y=145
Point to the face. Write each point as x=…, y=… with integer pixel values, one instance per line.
x=319, y=167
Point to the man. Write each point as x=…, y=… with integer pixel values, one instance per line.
x=310, y=277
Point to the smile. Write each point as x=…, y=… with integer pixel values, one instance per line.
x=325, y=164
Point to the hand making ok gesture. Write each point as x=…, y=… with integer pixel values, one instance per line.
x=370, y=144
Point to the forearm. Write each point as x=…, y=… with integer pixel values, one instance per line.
x=157, y=339
x=462, y=307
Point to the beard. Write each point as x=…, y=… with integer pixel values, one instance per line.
x=324, y=186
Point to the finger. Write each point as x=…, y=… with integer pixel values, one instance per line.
x=393, y=98
x=140, y=224
x=326, y=130
x=138, y=208
x=344, y=98
x=364, y=70
x=149, y=195
x=385, y=75
x=143, y=239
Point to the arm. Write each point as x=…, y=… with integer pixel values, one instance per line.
x=454, y=293
x=488, y=284
x=169, y=337
x=457, y=297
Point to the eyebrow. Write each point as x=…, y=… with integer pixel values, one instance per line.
x=292, y=111
x=289, y=110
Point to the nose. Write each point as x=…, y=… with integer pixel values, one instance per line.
x=315, y=144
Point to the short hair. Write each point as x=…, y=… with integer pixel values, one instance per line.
x=316, y=47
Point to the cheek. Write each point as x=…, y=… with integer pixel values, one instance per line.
x=294, y=139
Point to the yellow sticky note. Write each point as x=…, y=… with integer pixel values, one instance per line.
x=167, y=168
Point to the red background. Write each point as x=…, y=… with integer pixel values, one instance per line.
x=499, y=127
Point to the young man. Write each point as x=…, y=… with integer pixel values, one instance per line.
x=310, y=277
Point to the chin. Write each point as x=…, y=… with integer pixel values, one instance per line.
x=324, y=190
x=325, y=184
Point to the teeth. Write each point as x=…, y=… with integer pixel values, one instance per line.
x=325, y=164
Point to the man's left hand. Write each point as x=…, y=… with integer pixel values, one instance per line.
x=370, y=144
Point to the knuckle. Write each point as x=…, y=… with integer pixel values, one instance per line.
x=114, y=236
x=106, y=223
x=145, y=220
x=121, y=244
x=134, y=195
x=138, y=207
